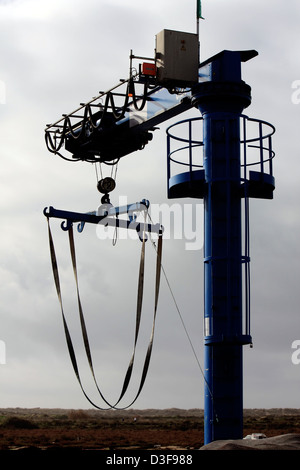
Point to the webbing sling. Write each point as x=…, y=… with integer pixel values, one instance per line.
x=83, y=326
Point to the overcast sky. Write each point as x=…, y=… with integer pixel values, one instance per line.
x=56, y=54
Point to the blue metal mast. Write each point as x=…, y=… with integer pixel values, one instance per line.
x=223, y=183
x=221, y=101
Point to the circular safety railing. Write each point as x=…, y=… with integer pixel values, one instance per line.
x=185, y=145
x=191, y=154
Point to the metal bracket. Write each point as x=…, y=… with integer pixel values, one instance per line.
x=104, y=216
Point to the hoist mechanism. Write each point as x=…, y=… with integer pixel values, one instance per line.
x=122, y=120
x=112, y=132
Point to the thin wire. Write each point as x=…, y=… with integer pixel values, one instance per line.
x=115, y=236
x=97, y=172
x=97, y=177
x=113, y=173
x=180, y=316
x=114, y=167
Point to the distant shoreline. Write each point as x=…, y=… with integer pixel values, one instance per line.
x=166, y=412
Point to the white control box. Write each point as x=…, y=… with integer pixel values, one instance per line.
x=177, y=56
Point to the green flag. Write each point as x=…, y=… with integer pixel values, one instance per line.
x=199, y=10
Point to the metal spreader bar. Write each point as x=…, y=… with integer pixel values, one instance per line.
x=102, y=217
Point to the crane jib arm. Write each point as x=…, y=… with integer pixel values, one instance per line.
x=109, y=134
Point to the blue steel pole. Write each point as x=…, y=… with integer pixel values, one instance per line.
x=221, y=103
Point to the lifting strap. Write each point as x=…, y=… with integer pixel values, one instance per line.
x=83, y=325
